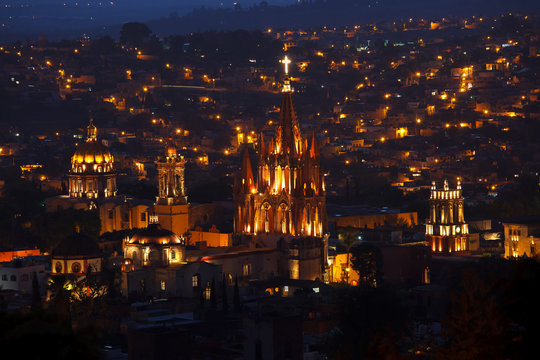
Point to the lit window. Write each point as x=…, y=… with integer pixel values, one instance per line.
x=195, y=280
x=207, y=293
x=173, y=254
x=426, y=276
x=246, y=269
x=162, y=285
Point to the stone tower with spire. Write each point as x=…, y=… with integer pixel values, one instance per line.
x=286, y=196
x=172, y=207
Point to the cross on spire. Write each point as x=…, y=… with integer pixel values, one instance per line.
x=286, y=61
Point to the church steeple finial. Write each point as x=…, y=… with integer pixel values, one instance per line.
x=288, y=138
x=286, y=61
x=91, y=131
x=287, y=81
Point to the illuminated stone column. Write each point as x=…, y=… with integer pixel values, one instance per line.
x=443, y=215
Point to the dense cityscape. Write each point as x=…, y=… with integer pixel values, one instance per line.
x=369, y=191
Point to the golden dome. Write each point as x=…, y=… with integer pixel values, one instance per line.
x=92, y=156
x=155, y=234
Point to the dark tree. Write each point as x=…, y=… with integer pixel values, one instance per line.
x=104, y=45
x=521, y=296
x=60, y=297
x=348, y=237
x=372, y=324
x=52, y=228
x=134, y=33
x=367, y=262
x=475, y=325
x=51, y=337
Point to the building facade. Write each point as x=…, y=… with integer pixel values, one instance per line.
x=18, y=274
x=285, y=199
x=521, y=237
x=446, y=230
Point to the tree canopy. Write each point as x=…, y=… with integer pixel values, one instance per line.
x=134, y=33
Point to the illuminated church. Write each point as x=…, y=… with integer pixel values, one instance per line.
x=92, y=174
x=285, y=199
x=446, y=231
x=92, y=185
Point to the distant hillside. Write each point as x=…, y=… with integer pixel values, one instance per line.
x=167, y=17
x=332, y=13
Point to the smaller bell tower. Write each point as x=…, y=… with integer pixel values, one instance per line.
x=172, y=207
x=446, y=230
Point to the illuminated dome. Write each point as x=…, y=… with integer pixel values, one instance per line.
x=91, y=156
x=155, y=234
x=154, y=246
x=92, y=174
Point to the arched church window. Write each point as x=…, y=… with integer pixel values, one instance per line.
x=266, y=208
x=283, y=217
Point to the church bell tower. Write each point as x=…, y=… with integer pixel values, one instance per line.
x=446, y=230
x=172, y=207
